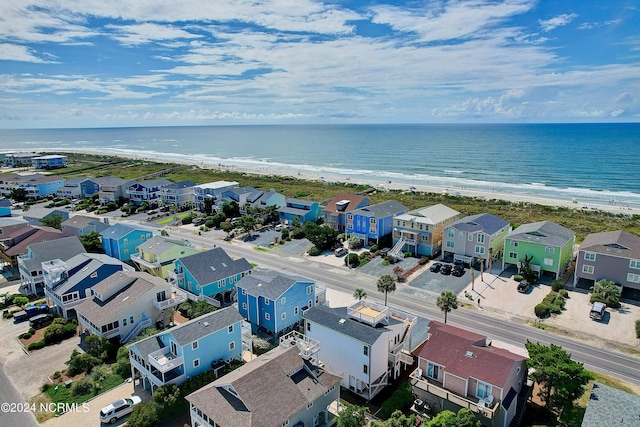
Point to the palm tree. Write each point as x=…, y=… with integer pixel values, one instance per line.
x=359, y=294
x=386, y=284
x=446, y=302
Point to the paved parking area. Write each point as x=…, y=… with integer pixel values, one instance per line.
x=376, y=268
x=437, y=283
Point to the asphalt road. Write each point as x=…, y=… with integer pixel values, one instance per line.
x=516, y=332
x=13, y=409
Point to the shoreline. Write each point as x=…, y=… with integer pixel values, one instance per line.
x=383, y=184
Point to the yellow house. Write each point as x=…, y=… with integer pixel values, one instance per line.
x=157, y=255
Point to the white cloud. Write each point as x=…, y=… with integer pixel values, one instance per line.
x=558, y=21
x=14, y=52
x=147, y=32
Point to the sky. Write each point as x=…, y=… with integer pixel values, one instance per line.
x=93, y=63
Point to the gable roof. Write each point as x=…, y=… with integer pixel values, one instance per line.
x=152, y=183
x=381, y=210
x=109, y=181
x=430, y=215
x=213, y=265
x=467, y=355
x=36, y=234
x=332, y=318
x=268, y=283
x=82, y=221
x=156, y=245
x=268, y=390
x=486, y=222
x=543, y=232
x=353, y=201
x=63, y=249
x=118, y=231
x=609, y=406
x=90, y=263
x=181, y=184
x=627, y=243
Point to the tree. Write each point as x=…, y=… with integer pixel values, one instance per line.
x=360, y=294
x=322, y=237
x=53, y=221
x=397, y=419
x=561, y=379
x=247, y=224
x=226, y=227
x=216, y=220
x=351, y=416
x=208, y=206
x=606, y=291
x=91, y=242
x=386, y=284
x=352, y=260
x=464, y=418
x=231, y=210
x=446, y=302
x=271, y=213
x=527, y=272
x=19, y=194
x=98, y=346
x=144, y=415
x=397, y=271
x=20, y=300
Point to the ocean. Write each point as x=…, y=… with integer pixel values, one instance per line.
x=590, y=163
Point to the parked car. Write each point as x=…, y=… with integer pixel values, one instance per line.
x=458, y=271
x=446, y=269
x=118, y=409
x=340, y=251
x=279, y=227
x=598, y=310
x=435, y=267
x=40, y=321
x=523, y=286
x=384, y=252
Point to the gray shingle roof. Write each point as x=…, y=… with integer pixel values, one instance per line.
x=152, y=183
x=331, y=318
x=609, y=406
x=485, y=222
x=63, y=249
x=381, y=210
x=156, y=245
x=268, y=389
x=213, y=265
x=628, y=243
x=117, y=231
x=543, y=232
x=300, y=202
x=269, y=284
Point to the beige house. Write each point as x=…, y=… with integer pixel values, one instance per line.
x=420, y=231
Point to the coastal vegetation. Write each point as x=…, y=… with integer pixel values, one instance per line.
x=582, y=221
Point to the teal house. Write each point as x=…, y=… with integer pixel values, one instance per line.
x=550, y=244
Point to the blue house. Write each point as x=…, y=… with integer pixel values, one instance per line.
x=303, y=210
x=201, y=344
x=53, y=161
x=120, y=241
x=273, y=302
x=146, y=191
x=210, y=275
x=5, y=207
x=373, y=222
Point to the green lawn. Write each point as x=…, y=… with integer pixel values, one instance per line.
x=61, y=394
x=172, y=218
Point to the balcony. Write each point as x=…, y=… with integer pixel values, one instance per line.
x=139, y=260
x=158, y=379
x=175, y=277
x=177, y=297
x=367, y=312
x=95, y=331
x=474, y=404
x=163, y=360
x=307, y=346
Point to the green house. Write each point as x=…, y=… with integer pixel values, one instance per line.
x=550, y=244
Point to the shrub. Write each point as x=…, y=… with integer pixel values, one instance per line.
x=36, y=345
x=564, y=293
x=122, y=367
x=81, y=386
x=53, y=334
x=100, y=372
x=423, y=260
x=59, y=321
x=81, y=362
x=517, y=278
x=25, y=336
x=167, y=395
x=541, y=310
x=374, y=248
x=260, y=345
x=364, y=255
x=385, y=262
x=32, y=331
x=556, y=285
x=282, y=241
x=20, y=300
x=297, y=233
x=314, y=251
x=352, y=260
x=400, y=399
x=637, y=328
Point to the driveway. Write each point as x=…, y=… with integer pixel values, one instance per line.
x=437, y=283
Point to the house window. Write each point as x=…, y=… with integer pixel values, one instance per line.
x=549, y=249
x=634, y=263
x=232, y=345
x=309, y=405
x=295, y=311
x=126, y=251
x=124, y=322
x=479, y=249
x=483, y=390
x=131, y=319
x=309, y=304
x=365, y=369
x=450, y=244
x=125, y=241
x=196, y=363
x=283, y=316
x=266, y=301
x=230, y=328
x=283, y=300
x=634, y=278
x=174, y=348
x=309, y=289
x=244, y=305
x=267, y=316
x=548, y=261
x=514, y=244
x=433, y=371
x=194, y=345
x=513, y=255
x=587, y=269
x=244, y=292
x=469, y=237
x=451, y=232
x=480, y=238
x=366, y=350
x=589, y=256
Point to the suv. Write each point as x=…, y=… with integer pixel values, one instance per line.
x=119, y=408
x=340, y=251
x=523, y=286
x=598, y=310
x=40, y=321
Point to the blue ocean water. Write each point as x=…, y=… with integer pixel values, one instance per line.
x=592, y=163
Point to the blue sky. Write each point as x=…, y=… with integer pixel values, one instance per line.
x=70, y=63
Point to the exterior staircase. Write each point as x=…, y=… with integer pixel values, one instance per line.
x=396, y=251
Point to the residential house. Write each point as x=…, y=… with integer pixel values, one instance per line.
x=127, y=302
x=420, y=231
x=262, y=199
x=210, y=191
x=376, y=339
x=157, y=255
x=373, y=222
x=39, y=212
x=273, y=302
x=475, y=238
x=10, y=224
x=187, y=350
x=5, y=208
x=608, y=406
x=178, y=193
x=36, y=185
x=300, y=211
x=550, y=245
x=79, y=188
x=79, y=225
x=15, y=243
x=610, y=255
x=120, y=241
x=30, y=264
x=239, y=195
x=53, y=161
x=279, y=388
x=210, y=275
x=335, y=211
x=461, y=369
x=66, y=284
x=146, y=191
x=18, y=160
x=110, y=188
